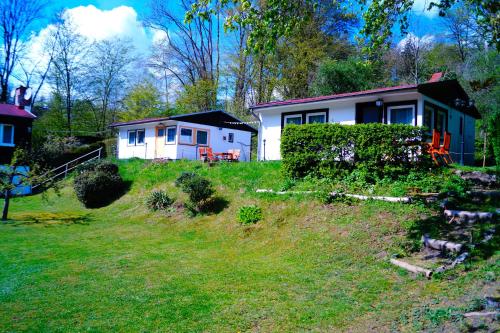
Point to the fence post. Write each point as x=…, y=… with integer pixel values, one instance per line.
x=99, y=154
x=66, y=171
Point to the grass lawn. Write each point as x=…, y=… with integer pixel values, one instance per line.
x=306, y=267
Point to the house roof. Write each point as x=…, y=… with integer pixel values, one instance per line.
x=14, y=111
x=217, y=118
x=446, y=92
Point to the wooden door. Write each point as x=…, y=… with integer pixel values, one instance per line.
x=160, y=142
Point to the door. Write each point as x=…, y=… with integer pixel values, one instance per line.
x=160, y=142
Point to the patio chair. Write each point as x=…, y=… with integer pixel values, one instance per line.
x=202, y=153
x=210, y=155
x=235, y=154
x=444, y=150
x=434, y=147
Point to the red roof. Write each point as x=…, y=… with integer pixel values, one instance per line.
x=14, y=111
x=336, y=96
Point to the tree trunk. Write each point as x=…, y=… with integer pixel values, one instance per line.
x=4, y=94
x=6, y=205
x=484, y=149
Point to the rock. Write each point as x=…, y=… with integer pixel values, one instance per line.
x=478, y=178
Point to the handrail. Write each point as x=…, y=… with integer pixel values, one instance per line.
x=68, y=168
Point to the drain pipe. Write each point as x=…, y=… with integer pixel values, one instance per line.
x=258, y=135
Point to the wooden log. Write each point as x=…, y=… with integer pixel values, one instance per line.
x=460, y=259
x=482, y=314
x=367, y=197
x=441, y=245
x=468, y=216
x=412, y=268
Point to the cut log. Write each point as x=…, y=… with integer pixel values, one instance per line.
x=468, y=216
x=482, y=314
x=412, y=268
x=441, y=245
x=367, y=197
x=284, y=192
x=460, y=259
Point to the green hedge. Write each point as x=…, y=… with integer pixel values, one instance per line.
x=333, y=150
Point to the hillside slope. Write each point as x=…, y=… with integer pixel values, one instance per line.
x=306, y=266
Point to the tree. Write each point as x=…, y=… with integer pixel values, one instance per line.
x=335, y=77
x=16, y=20
x=143, y=101
x=67, y=75
x=107, y=73
x=382, y=15
x=200, y=96
x=20, y=172
x=411, y=56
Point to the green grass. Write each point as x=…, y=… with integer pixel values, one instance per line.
x=305, y=266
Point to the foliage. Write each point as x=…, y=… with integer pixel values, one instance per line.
x=249, y=214
x=381, y=16
x=143, y=101
x=158, y=200
x=333, y=150
x=200, y=96
x=340, y=76
x=199, y=190
x=98, y=187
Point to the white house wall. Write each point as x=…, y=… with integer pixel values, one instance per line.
x=242, y=141
x=340, y=112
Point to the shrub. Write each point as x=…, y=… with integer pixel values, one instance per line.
x=199, y=190
x=158, y=200
x=107, y=167
x=334, y=151
x=97, y=188
x=249, y=214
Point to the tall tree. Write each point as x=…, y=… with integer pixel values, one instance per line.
x=107, y=73
x=411, y=56
x=16, y=19
x=67, y=75
x=142, y=101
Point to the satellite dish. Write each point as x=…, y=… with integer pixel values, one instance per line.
x=27, y=94
x=13, y=93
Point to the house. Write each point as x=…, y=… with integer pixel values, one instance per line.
x=15, y=131
x=441, y=105
x=15, y=126
x=180, y=136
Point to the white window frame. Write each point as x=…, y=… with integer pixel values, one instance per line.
x=208, y=137
x=316, y=114
x=292, y=116
x=166, y=135
x=136, y=137
x=390, y=108
x=192, y=135
x=5, y=144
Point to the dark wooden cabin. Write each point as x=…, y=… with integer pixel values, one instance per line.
x=15, y=127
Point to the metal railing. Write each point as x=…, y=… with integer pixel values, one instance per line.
x=67, y=167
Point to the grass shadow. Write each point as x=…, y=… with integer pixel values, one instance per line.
x=49, y=219
x=214, y=205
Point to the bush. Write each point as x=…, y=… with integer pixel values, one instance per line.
x=97, y=188
x=198, y=189
x=158, y=200
x=335, y=151
x=106, y=167
x=249, y=214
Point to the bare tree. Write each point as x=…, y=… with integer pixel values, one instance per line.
x=70, y=51
x=16, y=19
x=107, y=74
x=193, y=49
x=410, y=58
x=463, y=30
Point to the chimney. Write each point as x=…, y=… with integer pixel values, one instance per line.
x=436, y=77
x=19, y=100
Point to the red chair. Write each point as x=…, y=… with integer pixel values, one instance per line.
x=444, y=150
x=210, y=155
x=434, y=147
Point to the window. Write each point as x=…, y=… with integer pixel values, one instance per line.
x=202, y=137
x=230, y=137
x=171, y=133
x=136, y=137
x=428, y=117
x=186, y=136
x=367, y=113
x=295, y=119
x=160, y=132
x=401, y=114
x=131, y=138
x=6, y=135
x=141, y=134
x=316, y=118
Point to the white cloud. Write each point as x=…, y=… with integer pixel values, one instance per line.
x=420, y=8
x=425, y=40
